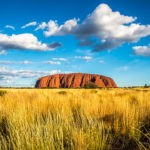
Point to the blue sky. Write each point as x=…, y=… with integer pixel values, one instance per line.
x=42, y=37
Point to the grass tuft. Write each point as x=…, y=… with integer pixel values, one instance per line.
x=62, y=92
x=2, y=93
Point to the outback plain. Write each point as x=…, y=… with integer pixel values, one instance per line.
x=77, y=119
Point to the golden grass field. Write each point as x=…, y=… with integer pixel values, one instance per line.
x=75, y=119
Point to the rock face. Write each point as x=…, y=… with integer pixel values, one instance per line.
x=74, y=80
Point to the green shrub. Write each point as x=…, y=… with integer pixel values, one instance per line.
x=90, y=85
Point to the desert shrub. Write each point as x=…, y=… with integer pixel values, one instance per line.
x=2, y=93
x=62, y=92
x=90, y=85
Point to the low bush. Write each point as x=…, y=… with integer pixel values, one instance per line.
x=62, y=92
x=90, y=85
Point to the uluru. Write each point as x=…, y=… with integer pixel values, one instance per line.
x=75, y=80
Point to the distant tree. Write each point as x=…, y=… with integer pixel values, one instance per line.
x=145, y=86
x=90, y=85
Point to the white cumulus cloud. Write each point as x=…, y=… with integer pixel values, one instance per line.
x=52, y=27
x=24, y=41
x=142, y=50
x=110, y=29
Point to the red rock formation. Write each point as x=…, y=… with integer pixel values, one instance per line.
x=74, y=80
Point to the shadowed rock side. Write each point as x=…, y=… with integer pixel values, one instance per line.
x=74, y=80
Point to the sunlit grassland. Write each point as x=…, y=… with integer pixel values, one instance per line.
x=75, y=119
